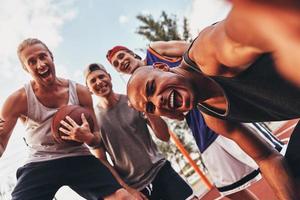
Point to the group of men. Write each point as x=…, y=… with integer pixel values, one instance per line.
x=221, y=82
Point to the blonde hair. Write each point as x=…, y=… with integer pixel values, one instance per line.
x=29, y=42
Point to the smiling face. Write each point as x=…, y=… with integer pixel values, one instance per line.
x=162, y=93
x=37, y=60
x=125, y=62
x=99, y=83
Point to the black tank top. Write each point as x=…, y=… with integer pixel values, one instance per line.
x=257, y=94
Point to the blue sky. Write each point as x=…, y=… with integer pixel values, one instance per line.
x=80, y=32
x=96, y=29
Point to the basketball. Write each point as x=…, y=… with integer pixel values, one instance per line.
x=73, y=111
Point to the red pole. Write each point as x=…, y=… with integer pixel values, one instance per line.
x=190, y=160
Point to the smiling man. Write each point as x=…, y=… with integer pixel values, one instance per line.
x=230, y=169
x=137, y=164
x=175, y=91
x=51, y=165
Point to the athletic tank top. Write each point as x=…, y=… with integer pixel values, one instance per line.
x=203, y=135
x=152, y=56
x=257, y=94
x=39, y=140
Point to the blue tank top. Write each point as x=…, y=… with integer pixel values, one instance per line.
x=203, y=135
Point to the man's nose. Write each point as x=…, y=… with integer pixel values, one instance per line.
x=99, y=82
x=160, y=101
x=40, y=64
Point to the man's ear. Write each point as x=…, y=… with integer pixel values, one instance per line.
x=161, y=66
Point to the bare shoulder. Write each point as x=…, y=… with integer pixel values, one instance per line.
x=218, y=54
x=173, y=48
x=202, y=52
x=15, y=105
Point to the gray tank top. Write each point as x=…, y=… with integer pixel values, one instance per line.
x=126, y=138
x=39, y=140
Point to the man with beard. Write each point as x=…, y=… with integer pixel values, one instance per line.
x=51, y=165
x=137, y=164
x=230, y=82
x=230, y=169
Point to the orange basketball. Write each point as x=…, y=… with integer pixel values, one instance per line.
x=73, y=111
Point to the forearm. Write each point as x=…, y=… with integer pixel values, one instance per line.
x=159, y=127
x=276, y=172
x=174, y=48
x=114, y=173
x=271, y=163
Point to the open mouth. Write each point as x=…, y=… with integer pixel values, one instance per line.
x=175, y=100
x=125, y=66
x=102, y=88
x=45, y=73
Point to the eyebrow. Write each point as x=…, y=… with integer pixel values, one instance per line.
x=147, y=89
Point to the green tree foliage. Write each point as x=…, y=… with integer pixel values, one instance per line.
x=163, y=29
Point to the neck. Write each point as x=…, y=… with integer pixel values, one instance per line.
x=204, y=87
x=109, y=101
x=55, y=85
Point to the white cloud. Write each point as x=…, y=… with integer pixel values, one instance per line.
x=123, y=19
x=205, y=12
x=20, y=19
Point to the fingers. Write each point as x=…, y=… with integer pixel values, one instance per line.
x=65, y=124
x=72, y=122
x=84, y=121
x=65, y=131
x=1, y=124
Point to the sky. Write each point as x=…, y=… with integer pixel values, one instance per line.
x=80, y=32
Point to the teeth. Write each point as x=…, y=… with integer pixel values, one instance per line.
x=43, y=72
x=126, y=65
x=172, y=99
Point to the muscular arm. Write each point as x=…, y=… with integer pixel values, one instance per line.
x=218, y=50
x=174, y=48
x=14, y=107
x=159, y=127
x=100, y=154
x=271, y=163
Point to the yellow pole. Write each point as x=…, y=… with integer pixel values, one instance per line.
x=190, y=160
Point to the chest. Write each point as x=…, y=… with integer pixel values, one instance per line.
x=53, y=99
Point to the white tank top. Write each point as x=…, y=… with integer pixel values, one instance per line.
x=39, y=140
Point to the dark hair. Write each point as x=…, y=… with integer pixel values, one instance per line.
x=93, y=67
x=29, y=42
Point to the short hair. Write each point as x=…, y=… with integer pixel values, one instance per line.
x=110, y=53
x=29, y=42
x=93, y=67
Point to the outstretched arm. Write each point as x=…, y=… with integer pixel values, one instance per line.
x=270, y=161
x=270, y=25
x=174, y=48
